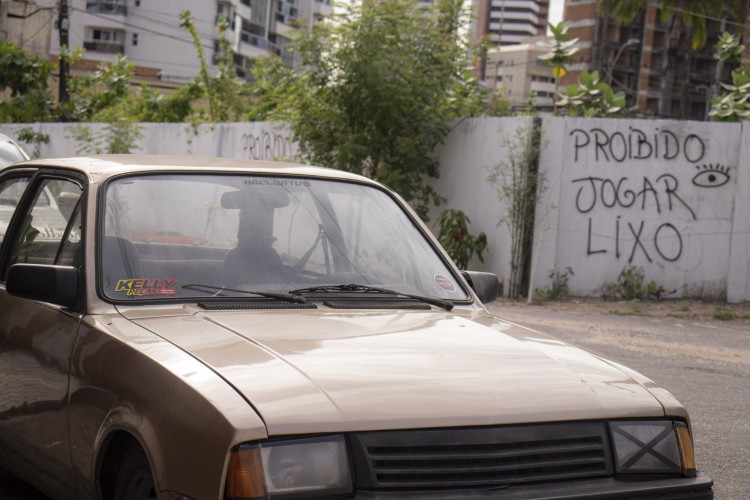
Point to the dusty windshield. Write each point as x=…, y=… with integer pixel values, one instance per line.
x=272, y=234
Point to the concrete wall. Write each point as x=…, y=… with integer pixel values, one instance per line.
x=467, y=157
x=659, y=195
x=738, y=282
x=670, y=197
x=251, y=141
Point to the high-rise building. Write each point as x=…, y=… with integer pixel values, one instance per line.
x=647, y=59
x=509, y=22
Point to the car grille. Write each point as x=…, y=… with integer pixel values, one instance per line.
x=476, y=457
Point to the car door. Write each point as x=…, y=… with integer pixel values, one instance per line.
x=36, y=338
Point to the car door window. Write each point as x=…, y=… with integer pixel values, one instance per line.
x=45, y=233
x=11, y=191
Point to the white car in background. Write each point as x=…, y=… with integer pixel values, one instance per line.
x=52, y=207
x=10, y=151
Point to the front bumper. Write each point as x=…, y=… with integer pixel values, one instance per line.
x=691, y=488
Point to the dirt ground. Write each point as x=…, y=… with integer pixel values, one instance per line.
x=684, y=309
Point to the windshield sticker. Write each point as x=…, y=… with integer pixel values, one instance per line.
x=277, y=182
x=144, y=287
x=445, y=283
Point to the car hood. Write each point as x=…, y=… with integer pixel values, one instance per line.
x=327, y=371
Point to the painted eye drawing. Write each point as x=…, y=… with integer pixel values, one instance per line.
x=711, y=175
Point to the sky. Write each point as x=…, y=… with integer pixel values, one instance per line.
x=556, y=11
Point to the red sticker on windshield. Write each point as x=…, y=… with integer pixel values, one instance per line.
x=445, y=283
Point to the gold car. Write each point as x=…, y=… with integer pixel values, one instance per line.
x=197, y=328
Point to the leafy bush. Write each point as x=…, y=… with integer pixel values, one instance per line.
x=458, y=242
x=25, y=75
x=591, y=97
x=732, y=105
x=723, y=314
x=30, y=136
x=631, y=285
x=559, y=287
x=519, y=184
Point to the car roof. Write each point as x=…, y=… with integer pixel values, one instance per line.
x=100, y=167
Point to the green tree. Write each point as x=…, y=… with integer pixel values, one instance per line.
x=25, y=76
x=273, y=87
x=377, y=90
x=94, y=92
x=692, y=14
x=226, y=97
x=149, y=105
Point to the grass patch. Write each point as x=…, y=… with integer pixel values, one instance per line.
x=618, y=312
x=724, y=314
x=636, y=309
x=679, y=315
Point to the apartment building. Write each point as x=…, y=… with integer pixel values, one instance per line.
x=509, y=22
x=652, y=64
x=27, y=25
x=148, y=32
x=517, y=70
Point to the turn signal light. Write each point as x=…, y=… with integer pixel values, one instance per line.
x=245, y=475
x=686, y=448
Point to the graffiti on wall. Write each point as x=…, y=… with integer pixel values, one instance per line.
x=637, y=216
x=637, y=144
x=267, y=145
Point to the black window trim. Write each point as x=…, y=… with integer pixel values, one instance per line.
x=39, y=175
x=69, y=228
x=10, y=231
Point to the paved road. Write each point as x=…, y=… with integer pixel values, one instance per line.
x=706, y=364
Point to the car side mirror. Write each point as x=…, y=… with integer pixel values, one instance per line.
x=485, y=285
x=54, y=284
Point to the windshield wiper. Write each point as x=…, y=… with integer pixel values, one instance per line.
x=288, y=297
x=353, y=287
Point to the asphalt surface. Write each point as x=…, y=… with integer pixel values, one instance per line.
x=705, y=364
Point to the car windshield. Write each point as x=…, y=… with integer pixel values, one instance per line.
x=260, y=233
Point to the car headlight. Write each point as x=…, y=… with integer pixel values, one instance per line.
x=652, y=447
x=289, y=469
